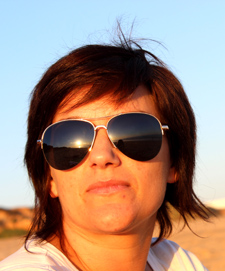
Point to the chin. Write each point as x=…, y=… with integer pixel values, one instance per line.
x=114, y=220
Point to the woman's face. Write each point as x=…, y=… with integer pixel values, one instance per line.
x=109, y=193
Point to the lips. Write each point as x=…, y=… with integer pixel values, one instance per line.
x=107, y=187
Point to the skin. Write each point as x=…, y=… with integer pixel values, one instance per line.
x=110, y=201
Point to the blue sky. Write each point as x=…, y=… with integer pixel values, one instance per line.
x=34, y=34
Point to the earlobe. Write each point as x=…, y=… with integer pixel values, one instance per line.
x=53, y=189
x=173, y=176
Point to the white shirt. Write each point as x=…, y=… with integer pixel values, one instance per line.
x=165, y=256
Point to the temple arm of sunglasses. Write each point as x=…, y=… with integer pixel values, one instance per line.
x=164, y=127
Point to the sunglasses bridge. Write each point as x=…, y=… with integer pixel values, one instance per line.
x=95, y=133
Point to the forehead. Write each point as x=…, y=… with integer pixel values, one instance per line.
x=139, y=101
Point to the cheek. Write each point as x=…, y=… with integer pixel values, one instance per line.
x=152, y=177
x=63, y=185
x=155, y=180
x=67, y=192
x=154, y=172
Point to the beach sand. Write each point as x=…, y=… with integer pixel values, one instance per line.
x=9, y=246
x=209, y=248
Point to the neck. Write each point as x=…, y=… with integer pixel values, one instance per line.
x=107, y=252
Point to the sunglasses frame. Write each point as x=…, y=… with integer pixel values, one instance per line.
x=96, y=127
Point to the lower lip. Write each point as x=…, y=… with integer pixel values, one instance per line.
x=108, y=189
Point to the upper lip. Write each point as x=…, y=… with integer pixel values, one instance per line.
x=109, y=183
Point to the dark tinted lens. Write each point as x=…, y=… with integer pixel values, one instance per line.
x=66, y=143
x=136, y=135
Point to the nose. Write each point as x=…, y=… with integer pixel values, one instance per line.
x=103, y=154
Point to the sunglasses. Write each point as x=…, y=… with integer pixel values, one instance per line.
x=137, y=135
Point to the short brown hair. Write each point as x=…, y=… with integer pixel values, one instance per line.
x=116, y=69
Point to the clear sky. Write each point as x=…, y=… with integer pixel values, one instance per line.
x=34, y=34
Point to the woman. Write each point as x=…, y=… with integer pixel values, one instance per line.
x=111, y=142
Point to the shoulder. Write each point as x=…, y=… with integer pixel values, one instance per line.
x=42, y=256
x=171, y=256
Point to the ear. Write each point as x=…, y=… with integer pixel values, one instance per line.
x=172, y=177
x=53, y=189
